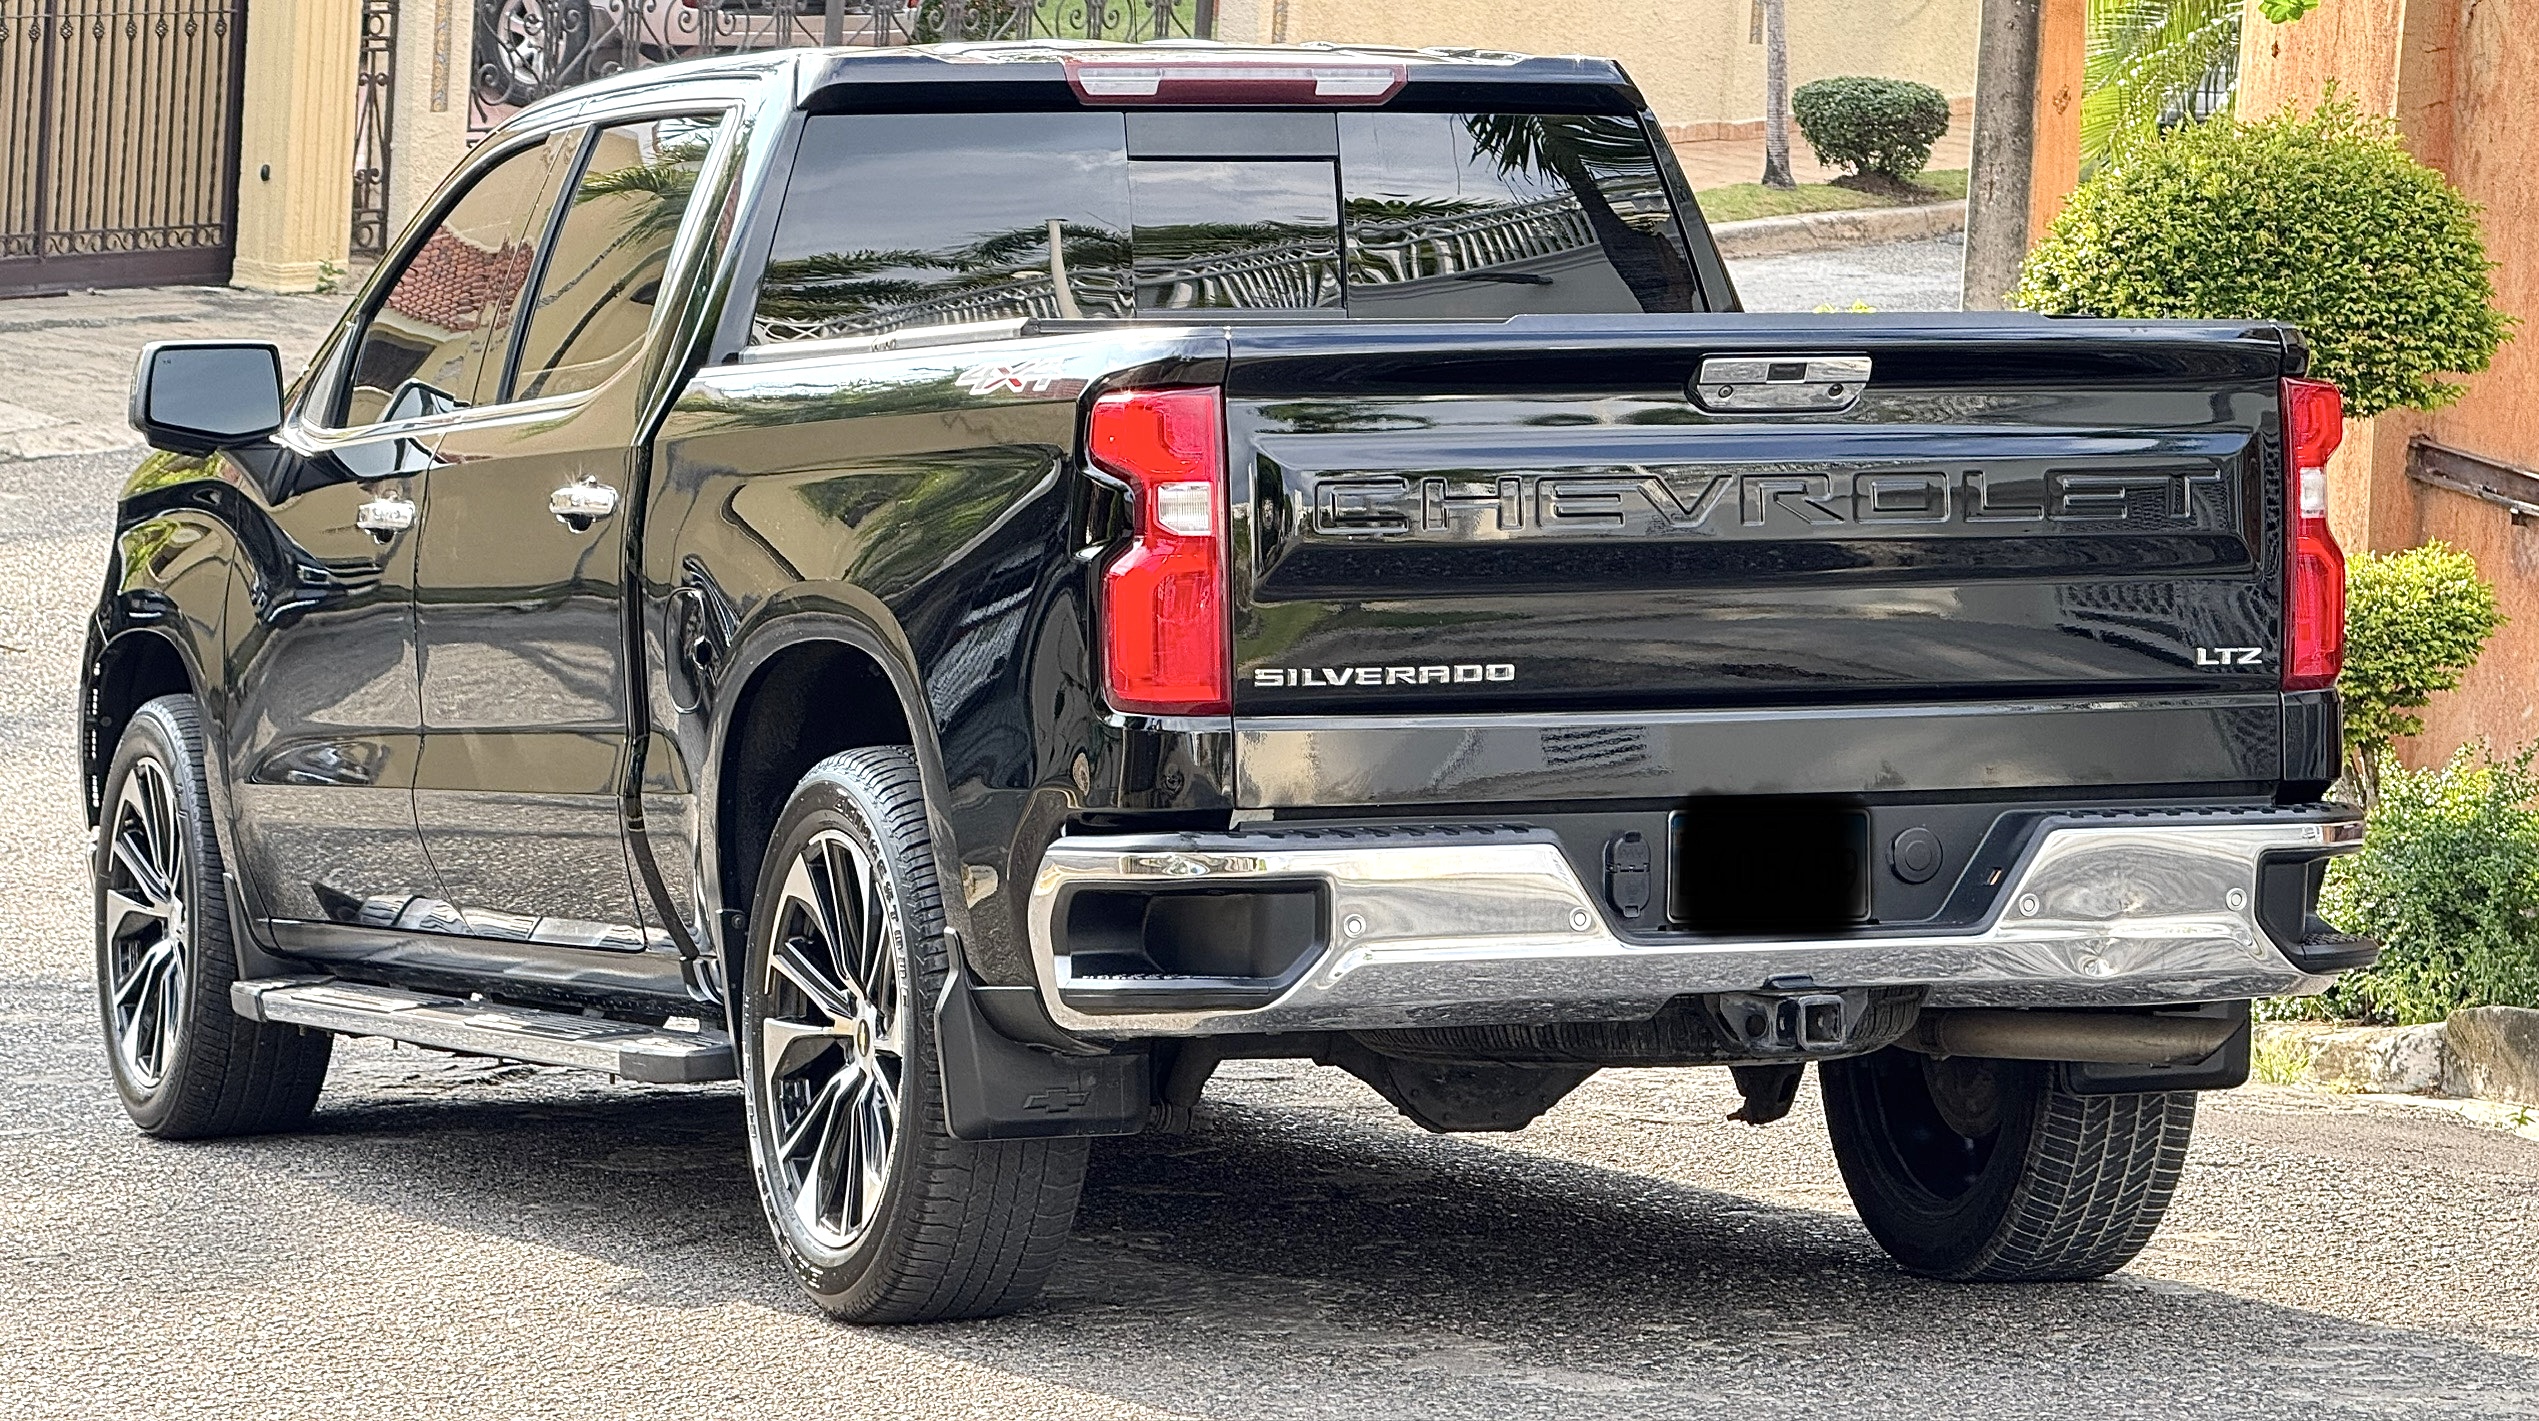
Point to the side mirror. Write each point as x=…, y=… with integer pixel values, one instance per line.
x=195, y=396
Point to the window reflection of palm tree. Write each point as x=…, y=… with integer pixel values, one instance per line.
x=662, y=188
x=1585, y=152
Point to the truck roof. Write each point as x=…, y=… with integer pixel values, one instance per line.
x=1036, y=73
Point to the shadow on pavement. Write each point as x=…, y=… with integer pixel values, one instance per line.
x=1292, y=1262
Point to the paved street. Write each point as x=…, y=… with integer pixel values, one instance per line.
x=1893, y=276
x=466, y=1239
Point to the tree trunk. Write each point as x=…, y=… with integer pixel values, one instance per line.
x=1776, y=95
x=1998, y=187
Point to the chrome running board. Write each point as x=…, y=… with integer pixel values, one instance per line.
x=658, y=1055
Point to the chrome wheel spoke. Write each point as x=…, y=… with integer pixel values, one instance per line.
x=834, y=1040
x=122, y=908
x=137, y=986
x=813, y=1117
x=819, y=1171
x=142, y=923
x=788, y=1046
x=789, y=960
x=140, y=867
x=873, y=1112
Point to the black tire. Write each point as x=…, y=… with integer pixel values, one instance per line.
x=186, y=1065
x=943, y=1228
x=1988, y=1171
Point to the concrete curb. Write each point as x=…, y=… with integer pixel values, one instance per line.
x=2481, y=1053
x=1831, y=231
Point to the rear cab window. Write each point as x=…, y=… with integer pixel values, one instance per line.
x=899, y=220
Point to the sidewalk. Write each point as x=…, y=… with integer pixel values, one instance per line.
x=68, y=359
x=1718, y=162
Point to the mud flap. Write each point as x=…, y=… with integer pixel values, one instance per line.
x=997, y=1088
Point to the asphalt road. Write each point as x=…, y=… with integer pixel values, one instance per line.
x=466, y=1239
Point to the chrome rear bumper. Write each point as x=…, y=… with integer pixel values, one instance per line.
x=1490, y=924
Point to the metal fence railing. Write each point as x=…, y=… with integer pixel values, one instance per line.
x=525, y=50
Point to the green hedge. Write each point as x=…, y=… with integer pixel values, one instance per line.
x=1868, y=125
x=2323, y=220
x=2415, y=621
x=2448, y=880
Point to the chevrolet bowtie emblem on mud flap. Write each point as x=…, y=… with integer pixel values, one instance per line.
x=1057, y=1100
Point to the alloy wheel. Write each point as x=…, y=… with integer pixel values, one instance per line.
x=834, y=1043
x=146, y=924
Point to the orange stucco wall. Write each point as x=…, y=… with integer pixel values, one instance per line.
x=2462, y=79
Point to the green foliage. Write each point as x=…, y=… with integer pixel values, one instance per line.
x=2322, y=220
x=1740, y=202
x=2146, y=60
x=2284, y=12
x=2448, y=880
x=2415, y=621
x=1869, y=125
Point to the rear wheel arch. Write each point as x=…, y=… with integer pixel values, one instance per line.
x=802, y=690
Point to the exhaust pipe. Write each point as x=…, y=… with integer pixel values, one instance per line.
x=2111, y=1038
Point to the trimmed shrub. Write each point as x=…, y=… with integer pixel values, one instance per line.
x=2415, y=621
x=2322, y=220
x=1871, y=126
x=2448, y=880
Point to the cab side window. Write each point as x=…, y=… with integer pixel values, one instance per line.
x=601, y=278
x=445, y=319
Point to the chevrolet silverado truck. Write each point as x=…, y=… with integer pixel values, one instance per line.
x=963, y=587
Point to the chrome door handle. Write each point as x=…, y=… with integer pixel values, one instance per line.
x=385, y=515
x=578, y=505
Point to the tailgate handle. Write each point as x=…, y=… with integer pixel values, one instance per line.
x=1786, y=383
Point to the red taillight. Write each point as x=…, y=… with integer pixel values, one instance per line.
x=1214, y=80
x=2314, y=602
x=1163, y=600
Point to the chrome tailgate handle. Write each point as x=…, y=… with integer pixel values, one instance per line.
x=384, y=515
x=1787, y=383
x=578, y=504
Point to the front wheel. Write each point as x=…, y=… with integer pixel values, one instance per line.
x=883, y=1214
x=1982, y=1170
x=186, y=1065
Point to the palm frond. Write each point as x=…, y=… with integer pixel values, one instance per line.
x=2146, y=60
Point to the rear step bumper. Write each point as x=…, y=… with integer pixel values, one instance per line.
x=654, y=1054
x=1431, y=926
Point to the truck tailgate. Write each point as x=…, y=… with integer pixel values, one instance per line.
x=1541, y=513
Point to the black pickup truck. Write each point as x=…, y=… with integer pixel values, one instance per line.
x=963, y=587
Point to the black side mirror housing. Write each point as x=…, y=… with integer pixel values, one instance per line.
x=196, y=396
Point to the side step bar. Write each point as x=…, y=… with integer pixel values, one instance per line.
x=657, y=1055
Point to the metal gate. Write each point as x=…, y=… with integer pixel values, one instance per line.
x=528, y=49
x=118, y=141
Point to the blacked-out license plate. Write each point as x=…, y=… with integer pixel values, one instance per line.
x=1769, y=866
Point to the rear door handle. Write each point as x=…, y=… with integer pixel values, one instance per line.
x=385, y=516
x=577, y=505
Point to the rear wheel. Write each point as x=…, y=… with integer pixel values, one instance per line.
x=883, y=1214
x=1980, y=1170
x=185, y=1064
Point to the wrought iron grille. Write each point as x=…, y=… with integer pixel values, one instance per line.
x=118, y=141
x=527, y=49
x=374, y=90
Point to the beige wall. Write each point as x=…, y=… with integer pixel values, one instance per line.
x=295, y=150
x=2462, y=79
x=1694, y=59
x=428, y=134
